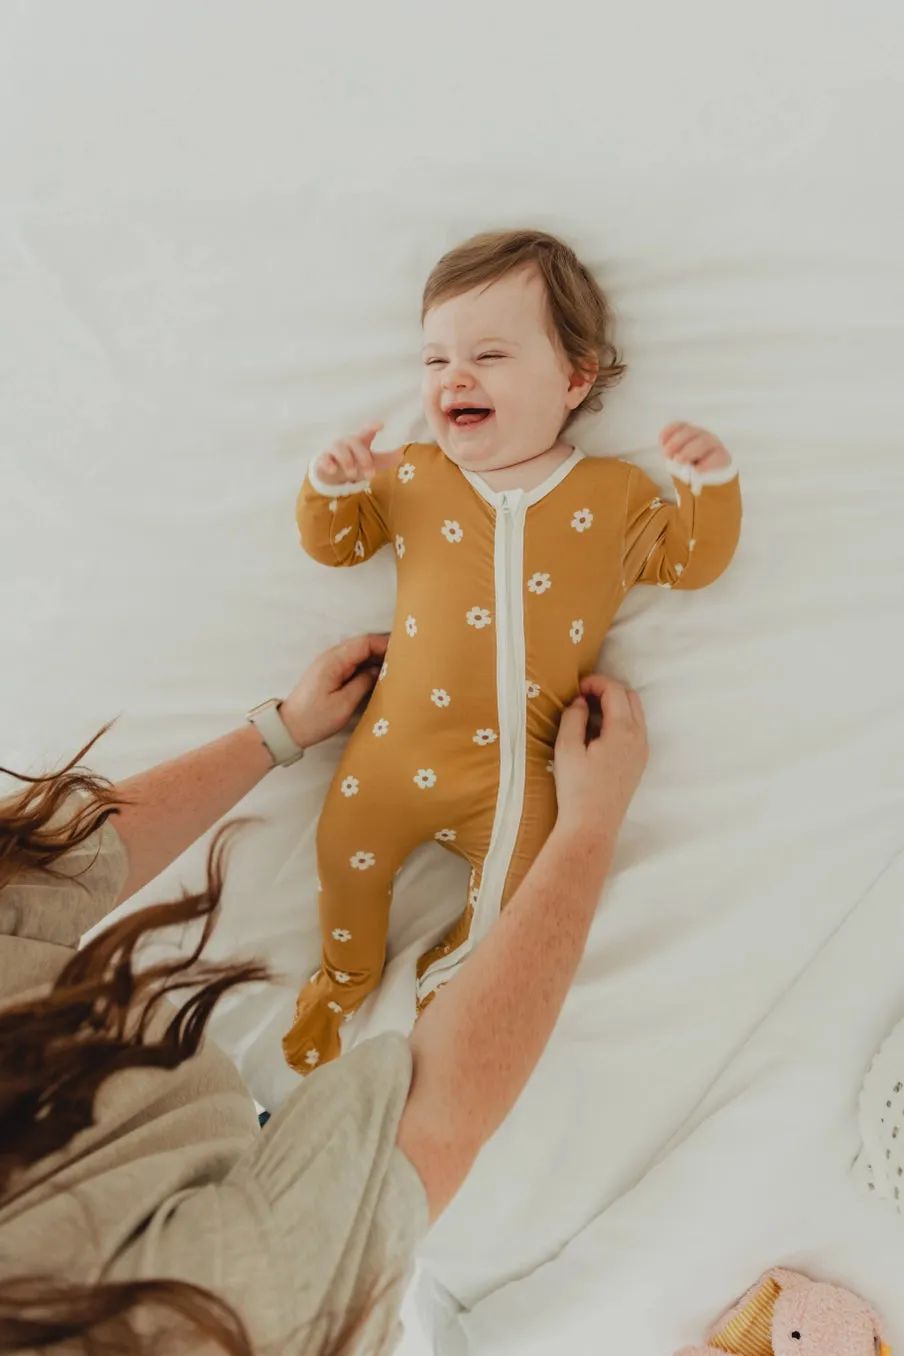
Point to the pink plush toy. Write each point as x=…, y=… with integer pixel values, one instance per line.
x=786, y=1314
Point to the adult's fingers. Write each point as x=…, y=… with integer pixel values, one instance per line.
x=611, y=694
x=352, y=653
x=353, y=692
x=637, y=710
x=573, y=726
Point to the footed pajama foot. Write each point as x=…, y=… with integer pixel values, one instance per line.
x=314, y=1037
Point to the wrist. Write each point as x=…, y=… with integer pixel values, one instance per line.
x=248, y=740
x=330, y=491
x=578, y=837
x=275, y=733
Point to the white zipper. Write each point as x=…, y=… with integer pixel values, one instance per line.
x=511, y=687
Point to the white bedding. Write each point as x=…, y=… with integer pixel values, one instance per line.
x=214, y=223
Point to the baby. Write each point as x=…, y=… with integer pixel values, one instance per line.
x=514, y=552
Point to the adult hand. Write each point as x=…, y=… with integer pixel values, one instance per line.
x=596, y=781
x=328, y=695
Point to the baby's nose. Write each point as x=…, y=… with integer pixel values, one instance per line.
x=458, y=378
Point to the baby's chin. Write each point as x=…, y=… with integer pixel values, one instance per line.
x=469, y=456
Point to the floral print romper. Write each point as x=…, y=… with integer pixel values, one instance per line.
x=504, y=599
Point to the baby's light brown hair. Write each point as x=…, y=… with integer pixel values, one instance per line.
x=580, y=316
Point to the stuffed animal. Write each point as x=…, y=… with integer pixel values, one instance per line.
x=786, y=1314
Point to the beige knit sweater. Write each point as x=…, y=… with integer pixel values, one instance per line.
x=295, y=1225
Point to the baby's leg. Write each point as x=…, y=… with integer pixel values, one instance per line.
x=444, y=951
x=376, y=813
x=538, y=815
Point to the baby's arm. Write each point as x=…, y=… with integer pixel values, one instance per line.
x=343, y=507
x=689, y=544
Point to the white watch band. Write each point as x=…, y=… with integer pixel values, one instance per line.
x=273, y=731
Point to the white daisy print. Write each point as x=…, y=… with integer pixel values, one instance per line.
x=679, y=570
x=359, y=549
x=692, y=544
x=655, y=504
x=665, y=586
x=485, y=737
x=411, y=625
x=380, y=728
x=406, y=472
x=452, y=531
x=533, y=689
x=362, y=861
x=440, y=697
x=577, y=631
x=550, y=766
x=383, y=672
x=312, y=1058
x=400, y=547
x=473, y=894
x=342, y=977
x=446, y=836
x=479, y=617
x=333, y=505
x=539, y=583
x=341, y=935
x=425, y=777
x=334, y=1007
x=582, y=520
x=340, y=536
x=350, y=786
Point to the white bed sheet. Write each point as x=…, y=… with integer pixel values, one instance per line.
x=214, y=223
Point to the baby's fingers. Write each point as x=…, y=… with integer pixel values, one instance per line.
x=344, y=456
x=328, y=468
x=364, y=459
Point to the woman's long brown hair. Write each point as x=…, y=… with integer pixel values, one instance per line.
x=57, y=1050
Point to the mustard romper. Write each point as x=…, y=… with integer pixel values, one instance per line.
x=504, y=600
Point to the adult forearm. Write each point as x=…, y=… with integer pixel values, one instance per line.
x=172, y=805
x=479, y=1040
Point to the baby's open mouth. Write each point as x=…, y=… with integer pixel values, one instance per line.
x=467, y=415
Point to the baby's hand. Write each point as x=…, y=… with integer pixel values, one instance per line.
x=694, y=446
x=352, y=459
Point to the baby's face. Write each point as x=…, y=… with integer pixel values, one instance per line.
x=497, y=388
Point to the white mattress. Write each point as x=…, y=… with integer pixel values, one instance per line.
x=214, y=224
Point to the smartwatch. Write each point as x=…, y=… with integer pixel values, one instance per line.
x=275, y=733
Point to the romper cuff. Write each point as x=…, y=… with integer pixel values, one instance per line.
x=335, y=491
x=698, y=480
